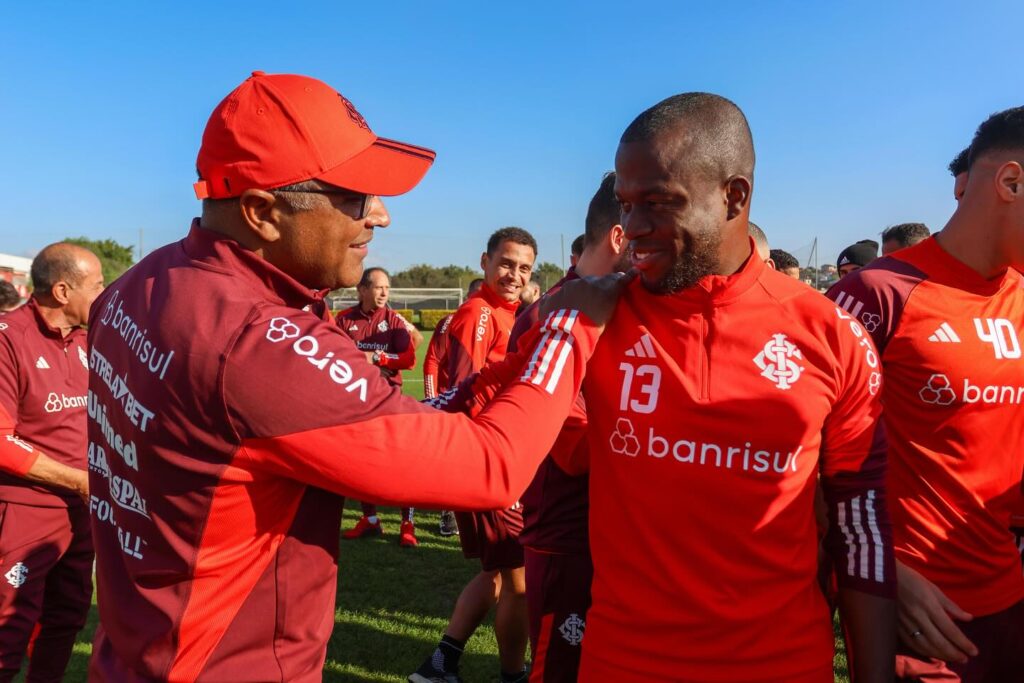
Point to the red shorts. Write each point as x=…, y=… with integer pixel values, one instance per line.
x=1000, y=641
x=493, y=537
x=46, y=560
x=558, y=597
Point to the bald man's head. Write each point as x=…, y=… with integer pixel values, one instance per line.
x=760, y=240
x=68, y=277
x=684, y=178
x=715, y=133
x=59, y=262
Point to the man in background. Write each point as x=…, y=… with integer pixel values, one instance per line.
x=9, y=297
x=530, y=293
x=785, y=263
x=856, y=256
x=478, y=335
x=903, y=235
x=576, y=250
x=760, y=243
x=46, y=551
x=384, y=336
x=435, y=381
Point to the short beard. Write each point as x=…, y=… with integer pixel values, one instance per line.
x=700, y=260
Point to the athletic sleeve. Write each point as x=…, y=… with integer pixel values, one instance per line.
x=433, y=358
x=853, y=457
x=470, y=337
x=16, y=455
x=875, y=296
x=306, y=405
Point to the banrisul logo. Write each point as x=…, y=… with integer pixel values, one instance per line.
x=941, y=391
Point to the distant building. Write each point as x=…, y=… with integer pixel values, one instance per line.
x=15, y=269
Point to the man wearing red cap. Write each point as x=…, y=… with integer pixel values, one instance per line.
x=220, y=390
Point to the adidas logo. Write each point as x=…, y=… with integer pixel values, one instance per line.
x=42, y=364
x=642, y=349
x=852, y=306
x=945, y=333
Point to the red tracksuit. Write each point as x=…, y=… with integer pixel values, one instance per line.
x=711, y=412
x=222, y=393
x=435, y=368
x=950, y=343
x=45, y=546
x=478, y=335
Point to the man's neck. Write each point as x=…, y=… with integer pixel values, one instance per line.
x=370, y=310
x=55, y=317
x=960, y=239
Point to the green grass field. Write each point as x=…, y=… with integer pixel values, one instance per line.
x=393, y=603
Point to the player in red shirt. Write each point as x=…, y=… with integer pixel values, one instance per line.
x=947, y=316
x=719, y=391
x=215, y=495
x=435, y=361
x=435, y=381
x=384, y=336
x=45, y=546
x=478, y=335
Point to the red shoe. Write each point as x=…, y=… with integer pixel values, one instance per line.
x=407, y=535
x=363, y=528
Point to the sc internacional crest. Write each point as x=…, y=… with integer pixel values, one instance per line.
x=778, y=361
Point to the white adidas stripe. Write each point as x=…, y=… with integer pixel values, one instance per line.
x=852, y=306
x=876, y=537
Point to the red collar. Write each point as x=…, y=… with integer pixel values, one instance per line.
x=219, y=252
x=945, y=269
x=46, y=329
x=492, y=298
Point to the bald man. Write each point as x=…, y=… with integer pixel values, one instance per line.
x=45, y=547
x=707, y=336
x=764, y=252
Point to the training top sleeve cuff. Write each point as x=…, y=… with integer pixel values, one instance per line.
x=16, y=456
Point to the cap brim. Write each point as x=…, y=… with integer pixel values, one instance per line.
x=385, y=168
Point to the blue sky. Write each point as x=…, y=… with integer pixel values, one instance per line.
x=856, y=108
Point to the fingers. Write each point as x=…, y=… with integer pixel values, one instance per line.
x=928, y=631
x=953, y=609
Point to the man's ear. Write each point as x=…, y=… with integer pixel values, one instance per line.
x=60, y=292
x=617, y=239
x=261, y=214
x=737, y=196
x=1010, y=182
x=484, y=259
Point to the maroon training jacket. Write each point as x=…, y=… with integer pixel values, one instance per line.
x=223, y=394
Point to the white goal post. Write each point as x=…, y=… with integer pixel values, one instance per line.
x=416, y=298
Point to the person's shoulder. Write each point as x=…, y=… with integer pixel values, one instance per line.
x=15, y=323
x=886, y=273
x=345, y=312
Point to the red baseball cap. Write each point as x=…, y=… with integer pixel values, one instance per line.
x=279, y=129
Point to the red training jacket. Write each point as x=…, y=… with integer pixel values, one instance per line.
x=479, y=333
x=222, y=391
x=711, y=412
x=435, y=361
x=954, y=408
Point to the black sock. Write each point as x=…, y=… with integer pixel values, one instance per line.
x=446, y=656
x=517, y=677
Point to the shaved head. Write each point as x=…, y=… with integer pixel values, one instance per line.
x=716, y=134
x=60, y=262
